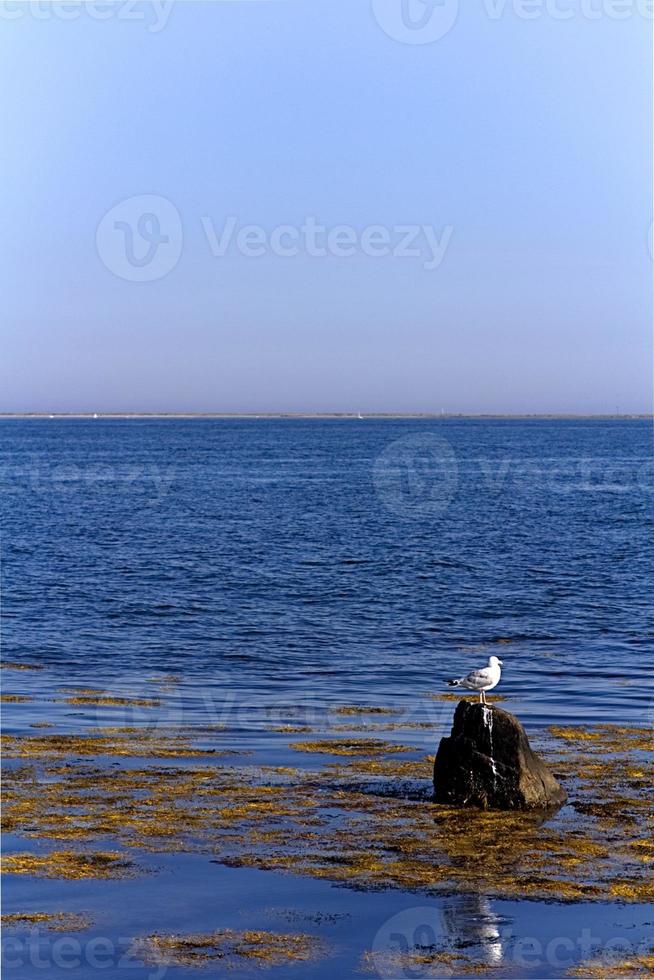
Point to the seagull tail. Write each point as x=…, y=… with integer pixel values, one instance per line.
x=454, y=683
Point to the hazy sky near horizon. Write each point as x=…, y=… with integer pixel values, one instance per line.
x=509, y=157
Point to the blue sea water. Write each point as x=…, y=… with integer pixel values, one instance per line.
x=253, y=573
x=350, y=559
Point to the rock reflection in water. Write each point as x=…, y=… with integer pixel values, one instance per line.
x=470, y=921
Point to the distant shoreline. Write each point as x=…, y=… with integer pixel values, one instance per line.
x=377, y=416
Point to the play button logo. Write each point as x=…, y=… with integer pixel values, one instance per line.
x=416, y=21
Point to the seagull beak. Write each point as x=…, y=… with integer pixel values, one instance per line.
x=501, y=663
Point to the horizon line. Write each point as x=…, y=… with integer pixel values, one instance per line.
x=327, y=415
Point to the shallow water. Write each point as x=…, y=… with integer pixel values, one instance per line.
x=513, y=939
x=255, y=573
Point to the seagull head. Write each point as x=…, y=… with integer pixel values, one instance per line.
x=494, y=662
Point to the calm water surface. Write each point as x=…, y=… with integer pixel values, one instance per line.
x=343, y=560
x=255, y=573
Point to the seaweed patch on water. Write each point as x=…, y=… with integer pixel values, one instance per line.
x=134, y=742
x=424, y=961
x=608, y=738
x=307, y=915
x=53, y=921
x=82, y=691
x=13, y=665
x=69, y=864
x=384, y=726
x=364, y=820
x=394, y=768
x=291, y=729
x=168, y=682
x=110, y=701
x=355, y=746
x=15, y=698
x=362, y=709
x=255, y=948
x=155, y=808
x=641, y=965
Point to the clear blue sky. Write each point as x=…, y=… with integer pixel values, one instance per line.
x=529, y=139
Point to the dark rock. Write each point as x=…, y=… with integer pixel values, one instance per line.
x=487, y=762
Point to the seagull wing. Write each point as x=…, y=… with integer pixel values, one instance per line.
x=476, y=680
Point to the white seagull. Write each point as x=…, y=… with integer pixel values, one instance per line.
x=481, y=680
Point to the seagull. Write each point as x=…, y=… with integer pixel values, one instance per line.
x=481, y=680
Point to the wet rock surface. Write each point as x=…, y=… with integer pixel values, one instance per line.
x=487, y=762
